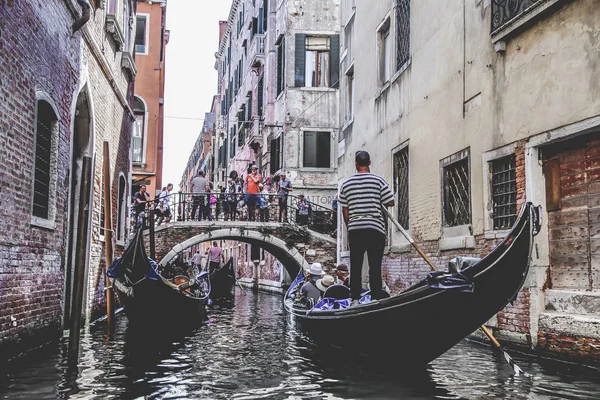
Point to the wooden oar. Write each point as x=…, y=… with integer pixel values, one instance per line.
x=508, y=358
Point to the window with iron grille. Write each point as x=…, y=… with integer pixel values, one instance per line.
x=402, y=32
x=456, y=190
x=504, y=192
x=43, y=159
x=401, y=186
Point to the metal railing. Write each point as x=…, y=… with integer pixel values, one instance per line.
x=239, y=207
x=504, y=11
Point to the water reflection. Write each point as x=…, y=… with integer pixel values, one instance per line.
x=253, y=351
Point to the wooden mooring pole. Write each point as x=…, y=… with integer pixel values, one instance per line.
x=80, y=260
x=108, y=234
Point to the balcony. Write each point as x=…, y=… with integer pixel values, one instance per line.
x=509, y=16
x=257, y=49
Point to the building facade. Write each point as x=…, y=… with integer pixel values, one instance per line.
x=469, y=109
x=64, y=96
x=151, y=38
x=201, y=157
x=278, y=75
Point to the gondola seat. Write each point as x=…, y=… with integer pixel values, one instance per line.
x=338, y=292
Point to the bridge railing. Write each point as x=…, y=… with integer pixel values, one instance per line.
x=241, y=207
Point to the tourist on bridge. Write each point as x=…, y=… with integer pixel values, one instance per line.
x=304, y=210
x=215, y=257
x=363, y=197
x=164, y=199
x=230, y=204
x=140, y=200
x=265, y=203
x=252, y=193
x=285, y=187
x=198, y=195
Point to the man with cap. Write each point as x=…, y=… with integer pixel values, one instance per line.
x=285, y=187
x=252, y=192
x=363, y=197
x=310, y=289
x=341, y=275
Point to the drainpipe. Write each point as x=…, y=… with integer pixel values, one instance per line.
x=86, y=9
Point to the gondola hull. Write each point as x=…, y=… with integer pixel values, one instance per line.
x=222, y=282
x=422, y=323
x=155, y=303
x=147, y=297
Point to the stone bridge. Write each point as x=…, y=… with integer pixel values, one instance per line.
x=294, y=246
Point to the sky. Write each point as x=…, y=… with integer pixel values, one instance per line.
x=191, y=80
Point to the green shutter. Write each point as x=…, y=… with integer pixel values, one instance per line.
x=300, y=60
x=334, y=71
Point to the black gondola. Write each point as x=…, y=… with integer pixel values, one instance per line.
x=222, y=282
x=150, y=298
x=423, y=322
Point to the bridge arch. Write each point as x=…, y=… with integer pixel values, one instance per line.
x=290, y=257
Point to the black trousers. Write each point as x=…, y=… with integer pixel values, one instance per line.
x=212, y=266
x=372, y=242
x=198, y=203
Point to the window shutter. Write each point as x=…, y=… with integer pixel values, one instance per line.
x=300, y=59
x=334, y=70
x=323, y=149
x=553, y=192
x=265, y=15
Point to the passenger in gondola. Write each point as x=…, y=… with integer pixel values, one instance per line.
x=342, y=275
x=309, y=291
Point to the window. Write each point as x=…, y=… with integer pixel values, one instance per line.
x=456, y=190
x=317, y=148
x=141, y=34
x=232, y=142
x=504, y=192
x=317, y=61
x=137, y=140
x=265, y=15
x=384, y=53
x=44, y=159
x=402, y=32
x=350, y=94
x=241, y=119
x=121, y=210
x=260, y=97
x=401, y=186
x=275, y=155
x=112, y=6
x=126, y=26
x=280, y=66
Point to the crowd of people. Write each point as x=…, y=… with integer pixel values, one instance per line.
x=242, y=199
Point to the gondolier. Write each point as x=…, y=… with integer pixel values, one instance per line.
x=215, y=256
x=362, y=197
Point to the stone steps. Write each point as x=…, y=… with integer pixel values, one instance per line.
x=579, y=325
x=573, y=302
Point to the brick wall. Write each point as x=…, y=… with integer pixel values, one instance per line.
x=37, y=53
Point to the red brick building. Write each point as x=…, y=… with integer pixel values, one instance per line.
x=151, y=38
x=63, y=95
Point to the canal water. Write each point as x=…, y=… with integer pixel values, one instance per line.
x=253, y=351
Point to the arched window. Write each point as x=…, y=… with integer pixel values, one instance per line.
x=137, y=144
x=44, y=160
x=122, y=209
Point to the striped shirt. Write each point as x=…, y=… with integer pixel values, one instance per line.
x=365, y=195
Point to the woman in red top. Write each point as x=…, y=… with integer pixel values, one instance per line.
x=252, y=191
